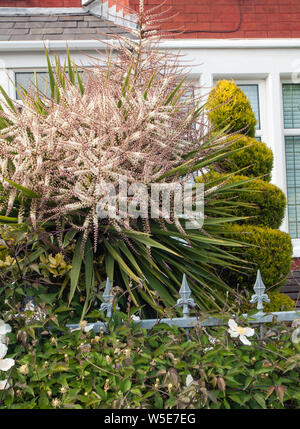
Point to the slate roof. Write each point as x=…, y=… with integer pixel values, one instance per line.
x=84, y=26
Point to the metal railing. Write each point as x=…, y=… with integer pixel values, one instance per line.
x=187, y=322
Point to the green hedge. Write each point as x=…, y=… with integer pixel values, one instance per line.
x=267, y=201
x=254, y=155
x=227, y=104
x=128, y=369
x=269, y=250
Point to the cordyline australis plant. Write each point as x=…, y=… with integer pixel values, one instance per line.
x=131, y=116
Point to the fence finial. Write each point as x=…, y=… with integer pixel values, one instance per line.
x=108, y=297
x=260, y=296
x=185, y=301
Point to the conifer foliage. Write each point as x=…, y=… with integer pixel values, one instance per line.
x=261, y=204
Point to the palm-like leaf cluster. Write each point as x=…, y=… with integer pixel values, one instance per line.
x=129, y=117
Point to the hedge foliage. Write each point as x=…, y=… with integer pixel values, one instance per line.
x=227, y=104
x=266, y=202
x=255, y=156
x=128, y=369
x=279, y=302
x=269, y=250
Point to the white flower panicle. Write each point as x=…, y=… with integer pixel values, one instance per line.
x=134, y=126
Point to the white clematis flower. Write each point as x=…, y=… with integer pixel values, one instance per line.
x=4, y=385
x=5, y=364
x=238, y=331
x=4, y=328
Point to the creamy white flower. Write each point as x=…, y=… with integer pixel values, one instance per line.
x=4, y=385
x=189, y=379
x=136, y=318
x=3, y=350
x=4, y=328
x=240, y=332
x=5, y=364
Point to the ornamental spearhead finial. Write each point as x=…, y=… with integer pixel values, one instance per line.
x=260, y=296
x=185, y=301
x=108, y=297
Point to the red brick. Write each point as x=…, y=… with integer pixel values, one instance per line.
x=260, y=18
x=51, y=3
x=204, y=26
x=72, y=3
x=279, y=34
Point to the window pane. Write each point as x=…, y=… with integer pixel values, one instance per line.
x=291, y=105
x=26, y=81
x=251, y=91
x=292, y=156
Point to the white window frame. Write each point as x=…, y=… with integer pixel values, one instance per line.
x=288, y=132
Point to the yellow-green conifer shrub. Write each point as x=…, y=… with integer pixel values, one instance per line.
x=267, y=249
x=262, y=203
x=254, y=156
x=227, y=104
x=279, y=302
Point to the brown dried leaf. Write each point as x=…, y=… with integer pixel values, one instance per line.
x=221, y=384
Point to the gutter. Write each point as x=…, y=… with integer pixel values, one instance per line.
x=23, y=11
x=60, y=45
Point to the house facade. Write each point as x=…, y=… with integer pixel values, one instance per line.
x=254, y=42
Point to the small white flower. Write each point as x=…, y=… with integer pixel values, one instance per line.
x=4, y=385
x=238, y=331
x=136, y=318
x=4, y=328
x=189, y=379
x=5, y=364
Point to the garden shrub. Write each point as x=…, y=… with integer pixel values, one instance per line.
x=126, y=368
x=269, y=250
x=227, y=104
x=254, y=155
x=134, y=107
x=267, y=201
x=279, y=302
